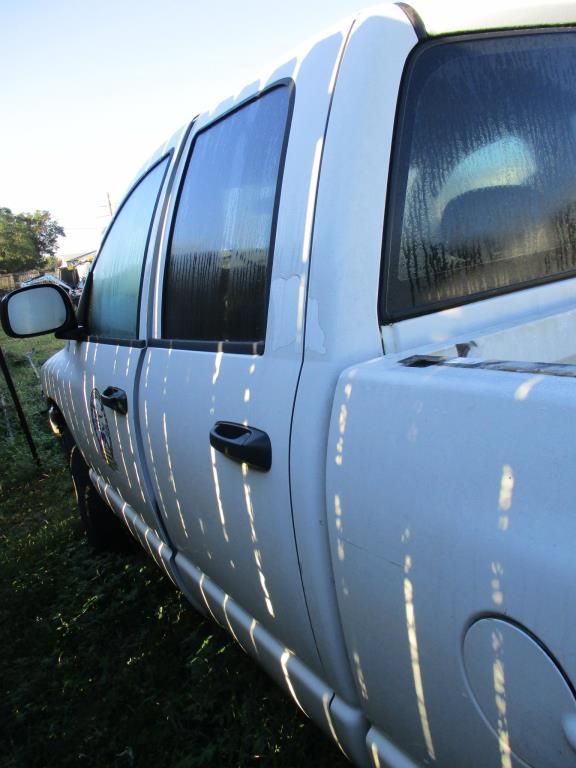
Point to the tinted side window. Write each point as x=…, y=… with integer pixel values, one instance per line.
x=484, y=193
x=216, y=284
x=116, y=277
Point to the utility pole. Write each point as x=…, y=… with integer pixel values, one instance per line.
x=110, y=205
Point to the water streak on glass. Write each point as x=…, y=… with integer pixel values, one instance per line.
x=217, y=276
x=485, y=194
x=113, y=307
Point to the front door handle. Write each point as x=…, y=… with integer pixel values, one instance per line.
x=242, y=443
x=116, y=399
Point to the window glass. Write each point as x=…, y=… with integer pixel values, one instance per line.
x=115, y=283
x=216, y=284
x=484, y=195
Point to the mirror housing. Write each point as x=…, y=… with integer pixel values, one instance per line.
x=36, y=310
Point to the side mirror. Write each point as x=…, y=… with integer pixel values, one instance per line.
x=36, y=310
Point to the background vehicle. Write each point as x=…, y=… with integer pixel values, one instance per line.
x=72, y=286
x=322, y=370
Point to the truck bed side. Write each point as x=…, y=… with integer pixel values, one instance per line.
x=450, y=494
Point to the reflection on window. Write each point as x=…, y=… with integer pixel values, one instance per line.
x=113, y=305
x=485, y=190
x=217, y=275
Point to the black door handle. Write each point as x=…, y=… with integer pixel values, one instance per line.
x=244, y=444
x=116, y=399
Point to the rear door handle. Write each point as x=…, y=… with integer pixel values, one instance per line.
x=242, y=443
x=116, y=399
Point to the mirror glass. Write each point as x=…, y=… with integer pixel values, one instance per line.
x=38, y=310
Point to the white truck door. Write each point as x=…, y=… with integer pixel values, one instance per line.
x=103, y=367
x=219, y=381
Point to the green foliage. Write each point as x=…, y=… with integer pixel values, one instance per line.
x=27, y=240
x=103, y=662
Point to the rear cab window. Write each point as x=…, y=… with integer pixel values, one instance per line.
x=217, y=276
x=482, y=196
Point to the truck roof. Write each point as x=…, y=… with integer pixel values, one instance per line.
x=436, y=17
x=430, y=18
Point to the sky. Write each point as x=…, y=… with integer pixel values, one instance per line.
x=90, y=89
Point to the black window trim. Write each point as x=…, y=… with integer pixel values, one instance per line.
x=239, y=347
x=86, y=294
x=394, y=205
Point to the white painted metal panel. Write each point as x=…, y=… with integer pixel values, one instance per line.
x=232, y=522
x=83, y=367
x=70, y=380
x=341, y=321
x=464, y=509
x=479, y=318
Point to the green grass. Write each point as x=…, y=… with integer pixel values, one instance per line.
x=103, y=662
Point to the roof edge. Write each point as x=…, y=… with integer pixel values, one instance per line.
x=433, y=19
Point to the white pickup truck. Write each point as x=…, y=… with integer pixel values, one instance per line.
x=324, y=370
